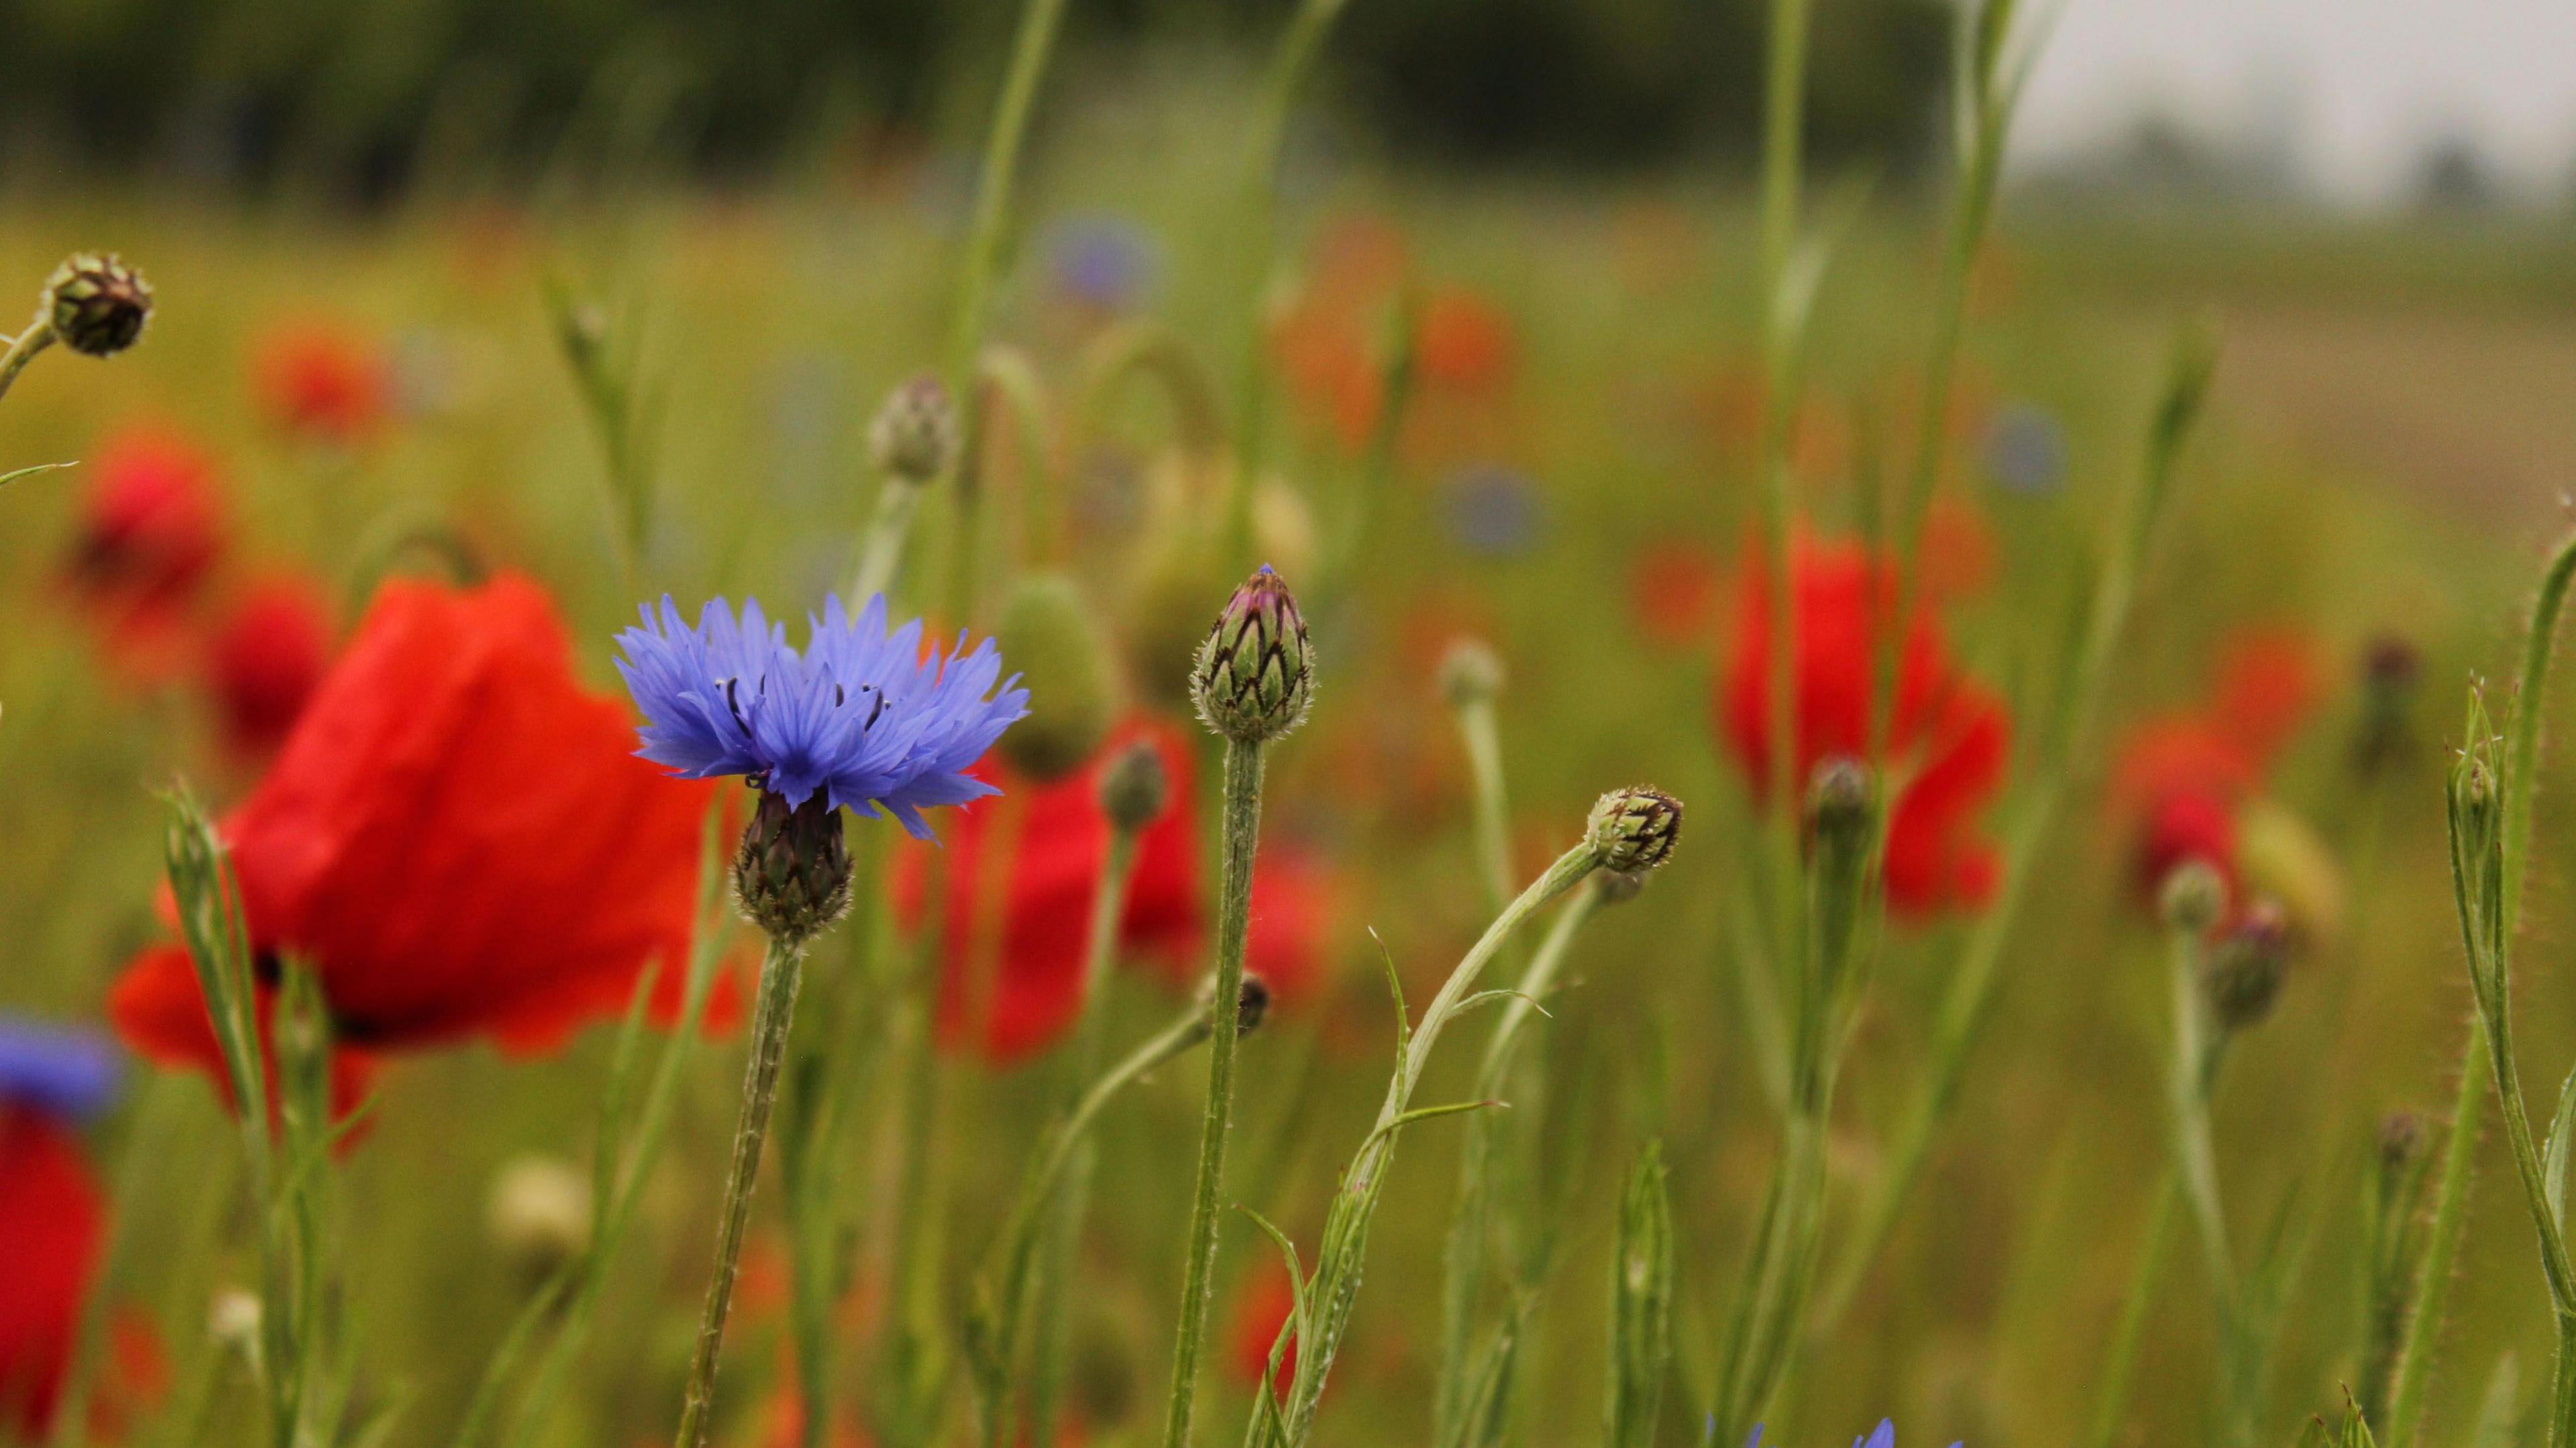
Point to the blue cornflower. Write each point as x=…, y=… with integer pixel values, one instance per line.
x=1495, y=510
x=861, y=716
x=57, y=1070
x=1882, y=1436
x=2026, y=450
x=1104, y=261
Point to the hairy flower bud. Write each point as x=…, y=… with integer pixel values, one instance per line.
x=2243, y=974
x=1134, y=789
x=1052, y=635
x=1633, y=830
x=792, y=873
x=2192, y=897
x=1251, y=1005
x=1470, y=673
x=914, y=437
x=1254, y=677
x=96, y=304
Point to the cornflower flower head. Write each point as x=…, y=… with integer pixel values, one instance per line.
x=863, y=718
x=69, y=1073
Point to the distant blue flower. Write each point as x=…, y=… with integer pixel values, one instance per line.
x=65, y=1072
x=2026, y=450
x=860, y=715
x=1105, y=261
x=1495, y=510
x=1882, y=1436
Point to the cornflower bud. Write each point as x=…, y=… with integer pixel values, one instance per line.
x=2243, y=975
x=1839, y=805
x=1254, y=677
x=96, y=304
x=2192, y=897
x=1632, y=831
x=2401, y=1138
x=1470, y=673
x=1134, y=790
x=1053, y=637
x=1251, y=1001
x=2390, y=666
x=914, y=437
x=792, y=873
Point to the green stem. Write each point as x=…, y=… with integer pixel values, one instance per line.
x=1065, y=1208
x=881, y=547
x=1039, y=21
x=1241, y=836
x=2562, y=1408
x=772, y=1012
x=1255, y=242
x=1472, y=1226
x=2441, y=1249
x=2132, y=1329
x=22, y=350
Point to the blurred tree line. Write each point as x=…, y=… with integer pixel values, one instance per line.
x=363, y=95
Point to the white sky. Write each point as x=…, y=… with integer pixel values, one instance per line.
x=2358, y=88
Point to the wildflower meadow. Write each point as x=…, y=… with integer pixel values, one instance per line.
x=1107, y=769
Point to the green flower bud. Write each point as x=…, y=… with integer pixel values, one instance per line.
x=1632, y=831
x=1255, y=672
x=96, y=304
x=2243, y=974
x=2192, y=897
x=1470, y=673
x=1841, y=807
x=914, y=438
x=1053, y=637
x=1134, y=790
x=792, y=874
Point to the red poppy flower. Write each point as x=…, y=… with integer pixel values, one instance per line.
x=2180, y=779
x=1672, y=592
x=149, y=534
x=265, y=660
x=1057, y=837
x=457, y=835
x=1466, y=342
x=320, y=381
x=1268, y=1300
x=51, y=1226
x=1948, y=736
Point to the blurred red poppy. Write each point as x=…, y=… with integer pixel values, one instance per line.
x=265, y=660
x=150, y=532
x=2180, y=779
x=1949, y=735
x=1466, y=342
x=1267, y=1301
x=51, y=1226
x=321, y=381
x=457, y=835
x=1058, y=839
x=1672, y=593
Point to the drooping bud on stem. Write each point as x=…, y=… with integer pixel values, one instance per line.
x=1134, y=789
x=1632, y=831
x=1052, y=635
x=96, y=304
x=2242, y=977
x=915, y=435
x=1254, y=677
x=2192, y=898
x=792, y=873
x=1470, y=673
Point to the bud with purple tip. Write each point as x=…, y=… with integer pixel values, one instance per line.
x=1255, y=673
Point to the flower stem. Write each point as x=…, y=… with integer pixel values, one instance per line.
x=775, y=1008
x=881, y=547
x=1241, y=836
x=22, y=350
x=2132, y=1331
x=2441, y=1247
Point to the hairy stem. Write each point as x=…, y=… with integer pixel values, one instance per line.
x=772, y=1012
x=1241, y=836
x=22, y=350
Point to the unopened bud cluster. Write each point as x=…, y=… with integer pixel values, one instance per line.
x=914, y=438
x=1254, y=678
x=2242, y=977
x=1633, y=830
x=792, y=872
x=96, y=304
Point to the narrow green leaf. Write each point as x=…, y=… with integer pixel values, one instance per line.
x=28, y=472
x=2554, y=1159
